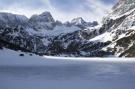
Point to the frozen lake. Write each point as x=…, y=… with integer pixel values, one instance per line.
x=34, y=72
x=69, y=75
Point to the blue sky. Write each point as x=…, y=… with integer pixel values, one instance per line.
x=61, y=9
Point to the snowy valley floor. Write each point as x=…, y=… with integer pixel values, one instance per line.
x=34, y=72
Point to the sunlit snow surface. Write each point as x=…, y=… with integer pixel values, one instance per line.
x=34, y=72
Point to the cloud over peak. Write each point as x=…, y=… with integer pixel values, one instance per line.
x=64, y=10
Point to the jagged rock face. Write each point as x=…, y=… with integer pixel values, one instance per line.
x=72, y=44
x=123, y=6
x=83, y=24
x=78, y=21
x=126, y=45
x=44, y=17
x=43, y=21
x=19, y=37
x=69, y=44
x=121, y=29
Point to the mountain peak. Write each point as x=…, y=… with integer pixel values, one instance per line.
x=78, y=21
x=47, y=14
x=12, y=19
x=44, y=17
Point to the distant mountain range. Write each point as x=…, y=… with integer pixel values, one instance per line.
x=43, y=35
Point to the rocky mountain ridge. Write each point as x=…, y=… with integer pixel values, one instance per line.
x=43, y=35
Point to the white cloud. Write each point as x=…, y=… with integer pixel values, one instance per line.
x=98, y=10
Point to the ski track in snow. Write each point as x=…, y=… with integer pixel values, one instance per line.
x=34, y=72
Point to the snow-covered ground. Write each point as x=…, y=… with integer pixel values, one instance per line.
x=34, y=72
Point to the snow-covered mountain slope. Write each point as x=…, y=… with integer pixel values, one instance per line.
x=41, y=34
x=120, y=27
x=122, y=7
